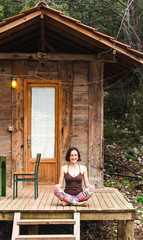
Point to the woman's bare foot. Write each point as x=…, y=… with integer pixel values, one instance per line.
x=85, y=203
x=65, y=203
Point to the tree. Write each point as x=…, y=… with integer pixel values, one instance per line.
x=122, y=19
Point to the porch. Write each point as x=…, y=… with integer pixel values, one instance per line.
x=105, y=204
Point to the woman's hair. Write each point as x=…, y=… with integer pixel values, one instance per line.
x=69, y=153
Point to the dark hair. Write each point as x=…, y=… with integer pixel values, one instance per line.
x=69, y=153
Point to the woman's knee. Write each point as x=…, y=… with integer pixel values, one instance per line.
x=57, y=189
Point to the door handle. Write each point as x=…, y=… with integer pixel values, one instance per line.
x=28, y=140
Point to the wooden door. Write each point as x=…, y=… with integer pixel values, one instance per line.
x=42, y=129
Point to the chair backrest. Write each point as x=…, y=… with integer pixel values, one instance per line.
x=38, y=157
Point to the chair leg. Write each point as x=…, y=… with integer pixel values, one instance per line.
x=35, y=192
x=13, y=186
x=16, y=186
x=37, y=188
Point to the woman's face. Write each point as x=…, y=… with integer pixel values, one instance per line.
x=74, y=156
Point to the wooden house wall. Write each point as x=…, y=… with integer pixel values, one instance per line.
x=82, y=115
x=5, y=112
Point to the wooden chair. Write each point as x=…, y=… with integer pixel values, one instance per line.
x=27, y=176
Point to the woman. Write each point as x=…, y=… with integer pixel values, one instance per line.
x=73, y=173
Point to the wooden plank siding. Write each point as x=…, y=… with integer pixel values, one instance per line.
x=6, y=114
x=18, y=68
x=96, y=122
x=105, y=204
x=82, y=103
x=66, y=76
x=80, y=109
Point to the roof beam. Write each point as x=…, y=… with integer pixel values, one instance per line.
x=29, y=46
x=83, y=33
x=51, y=56
x=20, y=42
x=19, y=34
x=42, y=33
x=64, y=41
x=50, y=47
x=69, y=34
x=19, y=21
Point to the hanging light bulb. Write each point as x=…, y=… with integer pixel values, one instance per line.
x=13, y=82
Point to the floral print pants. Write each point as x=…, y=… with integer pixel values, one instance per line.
x=82, y=196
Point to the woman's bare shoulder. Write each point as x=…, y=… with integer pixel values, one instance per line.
x=64, y=168
x=83, y=168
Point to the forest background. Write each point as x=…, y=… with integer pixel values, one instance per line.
x=123, y=104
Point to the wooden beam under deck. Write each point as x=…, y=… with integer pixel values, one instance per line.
x=105, y=204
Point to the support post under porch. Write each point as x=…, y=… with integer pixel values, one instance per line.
x=125, y=230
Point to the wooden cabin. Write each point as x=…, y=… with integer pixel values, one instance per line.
x=59, y=65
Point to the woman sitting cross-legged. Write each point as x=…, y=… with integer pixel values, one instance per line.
x=73, y=173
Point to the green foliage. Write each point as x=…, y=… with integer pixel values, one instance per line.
x=114, y=133
x=9, y=8
x=140, y=199
x=130, y=152
x=110, y=170
x=135, y=103
x=139, y=154
x=114, y=104
x=128, y=156
x=111, y=183
x=123, y=109
x=140, y=177
x=125, y=182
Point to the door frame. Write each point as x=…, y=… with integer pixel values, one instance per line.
x=57, y=84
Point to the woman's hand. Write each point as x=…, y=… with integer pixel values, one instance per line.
x=56, y=187
x=91, y=188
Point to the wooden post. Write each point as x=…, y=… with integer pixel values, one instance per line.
x=42, y=34
x=96, y=122
x=19, y=68
x=129, y=231
x=66, y=75
x=80, y=109
x=77, y=226
x=16, y=229
x=121, y=230
x=125, y=230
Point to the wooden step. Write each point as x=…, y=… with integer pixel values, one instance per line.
x=33, y=225
x=45, y=221
x=46, y=237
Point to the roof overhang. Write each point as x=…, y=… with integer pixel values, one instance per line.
x=46, y=30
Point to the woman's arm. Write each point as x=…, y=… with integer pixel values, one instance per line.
x=85, y=177
x=61, y=178
x=86, y=181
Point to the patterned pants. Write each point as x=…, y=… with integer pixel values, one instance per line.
x=82, y=196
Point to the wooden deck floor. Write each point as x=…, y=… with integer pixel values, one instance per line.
x=105, y=204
